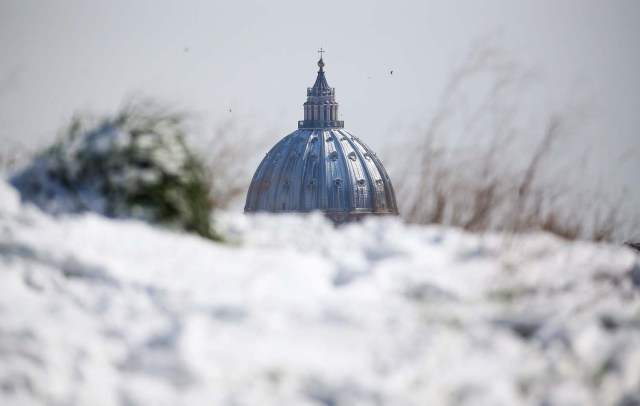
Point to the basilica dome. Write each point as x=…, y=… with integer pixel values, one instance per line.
x=322, y=167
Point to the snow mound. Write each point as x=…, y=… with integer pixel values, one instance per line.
x=296, y=312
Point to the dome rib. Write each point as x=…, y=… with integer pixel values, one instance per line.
x=279, y=191
x=370, y=185
x=345, y=175
x=309, y=186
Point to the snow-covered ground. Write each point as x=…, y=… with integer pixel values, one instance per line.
x=294, y=312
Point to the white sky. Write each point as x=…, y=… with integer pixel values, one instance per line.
x=257, y=58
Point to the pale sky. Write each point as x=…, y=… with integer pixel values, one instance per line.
x=257, y=58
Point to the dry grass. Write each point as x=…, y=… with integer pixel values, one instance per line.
x=499, y=176
x=230, y=155
x=13, y=157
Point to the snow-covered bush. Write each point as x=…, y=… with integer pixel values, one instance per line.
x=134, y=165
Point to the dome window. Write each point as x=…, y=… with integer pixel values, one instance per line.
x=352, y=156
x=360, y=182
x=293, y=155
x=333, y=156
x=311, y=182
x=337, y=181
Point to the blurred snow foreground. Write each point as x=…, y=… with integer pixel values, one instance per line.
x=97, y=311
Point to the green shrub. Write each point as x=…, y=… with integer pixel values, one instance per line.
x=134, y=165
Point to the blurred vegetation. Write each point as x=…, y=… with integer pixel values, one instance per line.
x=136, y=164
x=234, y=150
x=476, y=167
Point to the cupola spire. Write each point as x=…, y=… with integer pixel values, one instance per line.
x=322, y=167
x=321, y=62
x=321, y=108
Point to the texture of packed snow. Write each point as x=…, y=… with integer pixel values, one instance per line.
x=292, y=311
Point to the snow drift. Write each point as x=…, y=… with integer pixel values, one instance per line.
x=96, y=311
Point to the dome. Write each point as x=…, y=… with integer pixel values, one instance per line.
x=322, y=167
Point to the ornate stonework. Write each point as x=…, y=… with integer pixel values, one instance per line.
x=322, y=167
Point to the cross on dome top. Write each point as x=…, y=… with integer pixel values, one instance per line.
x=321, y=62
